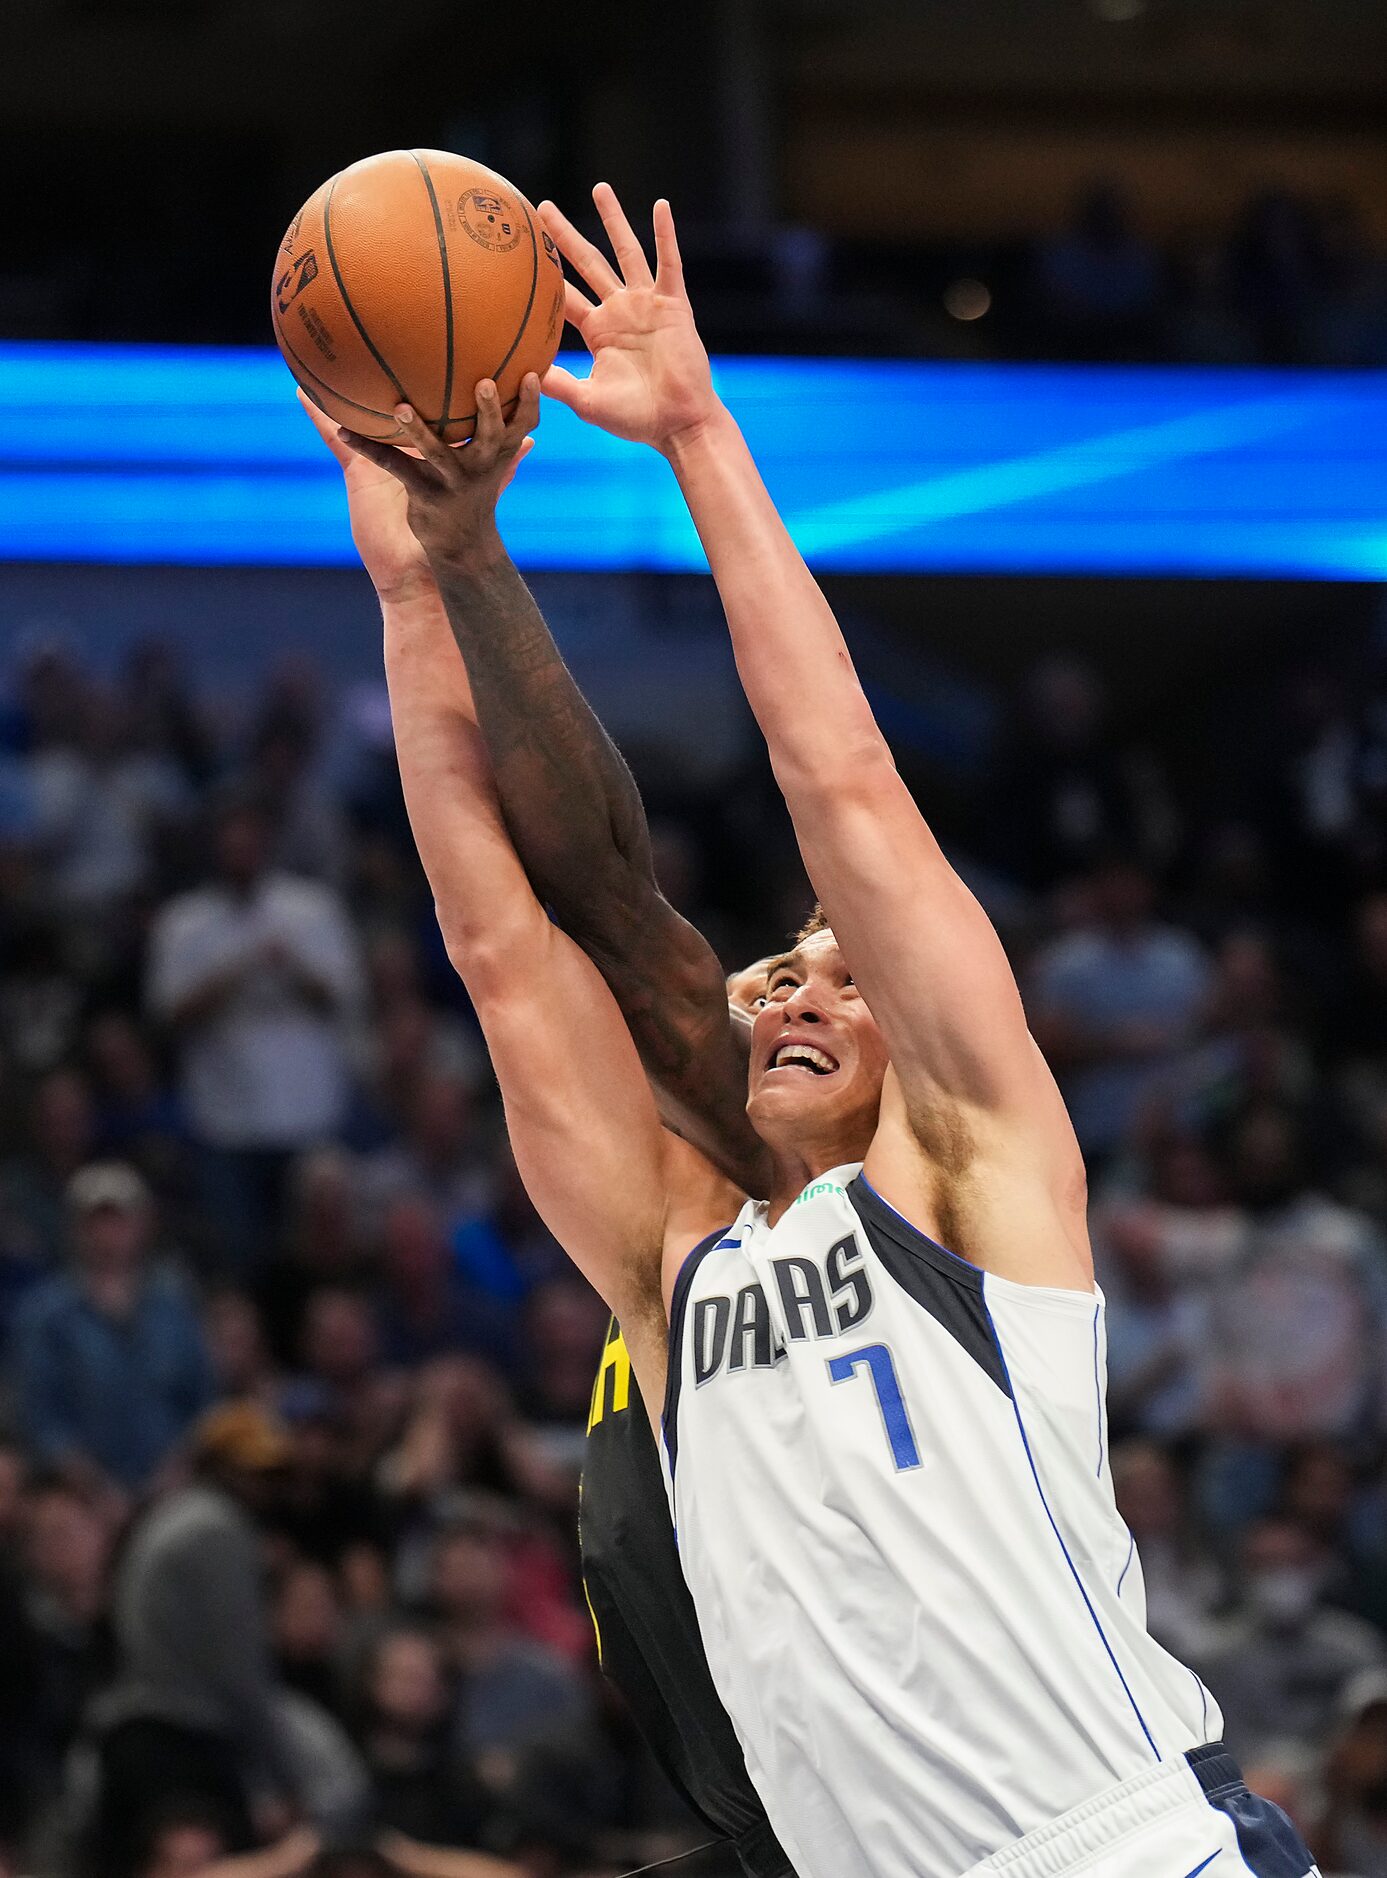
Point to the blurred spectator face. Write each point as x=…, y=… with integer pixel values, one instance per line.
x=67, y=1548
x=242, y=848
x=469, y=1575
x=120, y=1057
x=280, y=757
x=111, y=1241
x=1247, y=987
x=1318, y=1491
x=440, y=1120
x=364, y=1579
x=54, y=689
x=1235, y=863
x=1065, y=704
x=415, y=1251
x=1147, y=1489
x=306, y=1620
x=566, y=1324
x=182, y=1849
x=1121, y=897
x=236, y=1339
x=394, y=970
x=324, y=1207
x=1356, y=1771
x=62, y=1119
x=1185, y=1174
x=339, y=1338
x=1282, y=1573
x=104, y=724
x=406, y=1686
x=11, y=1492
x=1264, y=1159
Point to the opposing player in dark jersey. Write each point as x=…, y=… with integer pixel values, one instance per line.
x=573, y=810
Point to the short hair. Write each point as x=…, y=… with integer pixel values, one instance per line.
x=816, y=922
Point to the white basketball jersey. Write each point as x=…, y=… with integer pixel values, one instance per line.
x=890, y=1484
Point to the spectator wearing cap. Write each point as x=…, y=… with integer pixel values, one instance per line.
x=194, y=1714
x=110, y=1364
x=257, y=974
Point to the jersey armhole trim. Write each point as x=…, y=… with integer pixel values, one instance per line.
x=678, y=1308
x=909, y=1236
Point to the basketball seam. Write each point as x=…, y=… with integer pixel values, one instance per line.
x=347, y=299
x=534, y=285
x=303, y=364
x=447, y=287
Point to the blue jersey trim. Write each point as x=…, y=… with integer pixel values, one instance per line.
x=678, y=1306
x=1131, y=1554
x=1098, y=1383
x=1203, y=1705
x=1073, y=1569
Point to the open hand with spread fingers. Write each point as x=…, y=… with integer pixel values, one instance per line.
x=449, y=491
x=650, y=380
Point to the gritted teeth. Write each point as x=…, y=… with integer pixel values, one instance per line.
x=803, y=1056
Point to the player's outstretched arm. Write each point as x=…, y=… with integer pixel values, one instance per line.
x=428, y=528
x=927, y=959
x=581, y=1116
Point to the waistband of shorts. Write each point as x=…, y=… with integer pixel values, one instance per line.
x=1116, y=1813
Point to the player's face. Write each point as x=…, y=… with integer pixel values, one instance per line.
x=818, y=1059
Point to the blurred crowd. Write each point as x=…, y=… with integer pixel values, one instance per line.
x=295, y=1382
x=1290, y=280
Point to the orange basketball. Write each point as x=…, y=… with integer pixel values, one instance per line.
x=404, y=280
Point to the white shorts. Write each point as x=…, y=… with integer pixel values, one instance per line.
x=1182, y=1819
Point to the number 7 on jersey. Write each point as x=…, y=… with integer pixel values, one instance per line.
x=875, y=1358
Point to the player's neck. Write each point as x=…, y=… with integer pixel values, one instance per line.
x=796, y=1167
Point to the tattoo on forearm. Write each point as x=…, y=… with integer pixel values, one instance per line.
x=575, y=815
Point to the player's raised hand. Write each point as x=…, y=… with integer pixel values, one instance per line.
x=650, y=381
x=377, y=505
x=448, y=491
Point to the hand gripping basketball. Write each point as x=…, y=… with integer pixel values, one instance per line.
x=452, y=489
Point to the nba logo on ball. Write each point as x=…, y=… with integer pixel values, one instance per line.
x=293, y=281
x=488, y=221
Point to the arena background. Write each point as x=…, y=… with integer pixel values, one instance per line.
x=1143, y=702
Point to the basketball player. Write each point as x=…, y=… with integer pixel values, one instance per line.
x=573, y=809
x=884, y=1420
x=885, y=1424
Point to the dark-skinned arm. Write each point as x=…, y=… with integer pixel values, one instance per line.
x=570, y=804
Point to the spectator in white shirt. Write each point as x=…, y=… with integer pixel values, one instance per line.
x=258, y=975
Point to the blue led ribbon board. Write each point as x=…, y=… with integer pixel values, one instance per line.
x=146, y=454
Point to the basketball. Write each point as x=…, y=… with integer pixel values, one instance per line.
x=405, y=279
